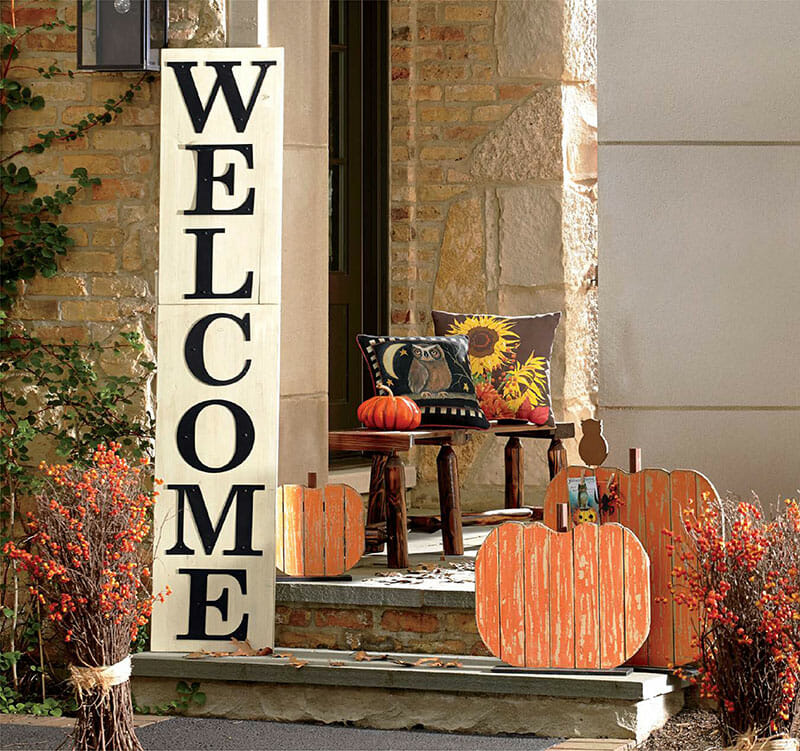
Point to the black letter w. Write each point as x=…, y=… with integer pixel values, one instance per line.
x=225, y=81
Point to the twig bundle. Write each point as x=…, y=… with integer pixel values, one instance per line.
x=741, y=572
x=85, y=566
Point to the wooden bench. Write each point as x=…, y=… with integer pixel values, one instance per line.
x=387, y=501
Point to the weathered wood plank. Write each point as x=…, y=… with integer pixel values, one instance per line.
x=487, y=593
x=659, y=518
x=512, y=594
x=683, y=490
x=353, y=528
x=314, y=532
x=335, y=531
x=280, y=561
x=587, y=617
x=637, y=599
x=537, y=594
x=612, y=582
x=562, y=606
x=293, y=530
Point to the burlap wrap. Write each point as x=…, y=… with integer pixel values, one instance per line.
x=102, y=678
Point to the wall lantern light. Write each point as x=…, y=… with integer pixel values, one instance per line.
x=121, y=34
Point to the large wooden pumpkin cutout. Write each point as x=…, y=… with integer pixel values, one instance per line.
x=319, y=531
x=577, y=599
x=652, y=500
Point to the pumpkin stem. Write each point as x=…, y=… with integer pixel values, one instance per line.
x=383, y=387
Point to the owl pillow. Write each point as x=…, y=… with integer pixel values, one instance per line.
x=433, y=371
x=510, y=361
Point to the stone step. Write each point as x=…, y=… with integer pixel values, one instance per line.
x=593, y=744
x=332, y=686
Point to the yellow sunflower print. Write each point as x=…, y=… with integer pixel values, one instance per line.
x=492, y=341
x=528, y=380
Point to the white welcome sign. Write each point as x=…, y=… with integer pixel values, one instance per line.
x=218, y=346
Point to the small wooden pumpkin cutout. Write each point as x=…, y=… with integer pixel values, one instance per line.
x=593, y=448
x=319, y=531
x=389, y=412
x=578, y=599
x=649, y=502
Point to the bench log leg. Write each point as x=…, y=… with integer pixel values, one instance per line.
x=556, y=457
x=450, y=501
x=515, y=474
x=376, y=509
x=396, y=526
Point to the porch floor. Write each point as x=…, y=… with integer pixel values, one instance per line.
x=373, y=584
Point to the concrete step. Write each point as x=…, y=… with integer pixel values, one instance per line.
x=333, y=686
x=593, y=744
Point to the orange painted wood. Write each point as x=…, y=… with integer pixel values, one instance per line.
x=653, y=500
x=314, y=530
x=487, y=592
x=354, y=522
x=537, y=594
x=293, y=559
x=334, y=524
x=637, y=607
x=279, y=528
x=587, y=594
x=321, y=530
x=659, y=517
x=562, y=602
x=512, y=594
x=545, y=599
x=611, y=584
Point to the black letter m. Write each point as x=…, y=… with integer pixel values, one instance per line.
x=209, y=533
x=198, y=112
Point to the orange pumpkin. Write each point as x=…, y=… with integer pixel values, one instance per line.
x=389, y=412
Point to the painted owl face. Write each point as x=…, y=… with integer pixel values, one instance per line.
x=428, y=352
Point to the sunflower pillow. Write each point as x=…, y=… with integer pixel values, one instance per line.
x=510, y=361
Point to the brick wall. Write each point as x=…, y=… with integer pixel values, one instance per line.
x=428, y=630
x=107, y=281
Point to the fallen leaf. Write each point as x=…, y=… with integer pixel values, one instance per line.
x=335, y=663
x=243, y=648
x=404, y=663
x=362, y=656
x=453, y=664
x=297, y=663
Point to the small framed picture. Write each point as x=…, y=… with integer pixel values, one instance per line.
x=584, y=503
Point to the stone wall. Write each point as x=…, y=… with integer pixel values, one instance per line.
x=493, y=203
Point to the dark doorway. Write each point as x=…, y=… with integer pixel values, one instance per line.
x=358, y=194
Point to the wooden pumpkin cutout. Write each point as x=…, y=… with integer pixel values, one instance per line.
x=319, y=531
x=578, y=599
x=650, y=501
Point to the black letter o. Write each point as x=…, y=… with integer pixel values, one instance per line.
x=245, y=436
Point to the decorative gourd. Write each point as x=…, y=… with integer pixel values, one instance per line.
x=647, y=502
x=389, y=412
x=576, y=600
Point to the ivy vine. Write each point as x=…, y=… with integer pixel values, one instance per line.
x=31, y=239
